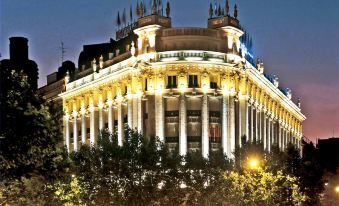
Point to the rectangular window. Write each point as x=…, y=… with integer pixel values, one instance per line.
x=213, y=82
x=213, y=85
x=171, y=82
x=193, y=81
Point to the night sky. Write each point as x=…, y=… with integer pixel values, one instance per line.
x=297, y=39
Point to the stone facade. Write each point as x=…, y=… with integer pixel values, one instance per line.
x=192, y=88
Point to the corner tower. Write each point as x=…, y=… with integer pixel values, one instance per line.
x=147, y=27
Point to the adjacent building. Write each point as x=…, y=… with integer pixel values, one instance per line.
x=19, y=62
x=196, y=89
x=329, y=153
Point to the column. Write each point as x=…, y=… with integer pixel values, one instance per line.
x=259, y=133
x=83, y=128
x=205, y=123
x=273, y=135
x=120, y=124
x=159, y=117
x=269, y=136
x=110, y=118
x=225, y=126
x=243, y=114
x=283, y=135
x=140, y=117
x=75, y=133
x=251, y=124
x=182, y=125
x=231, y=138
x=93, y=127
x=66, y=130
x=130, y=112
x=101, y=119
x=254, y=124
x=279, y=137
x=264, y=130
x=135, y=112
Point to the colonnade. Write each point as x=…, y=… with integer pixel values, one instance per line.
x=239, y=117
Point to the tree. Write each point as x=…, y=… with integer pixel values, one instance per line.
x=310, y=174
x=30, y=154
x=31, y=137
x=261, y=188
x=248, y=150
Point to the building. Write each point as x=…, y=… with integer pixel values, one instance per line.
x=197, y=89
x=18, y=61
x=329, y=153
x=56, y=82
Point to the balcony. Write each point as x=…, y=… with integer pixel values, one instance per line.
x=194, y=113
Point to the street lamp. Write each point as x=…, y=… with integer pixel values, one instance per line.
x=337, y=191
x=253, y=164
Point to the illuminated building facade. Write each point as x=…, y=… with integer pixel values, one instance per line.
x=196, y=89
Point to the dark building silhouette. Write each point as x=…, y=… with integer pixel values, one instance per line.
x=56, y=82
x=18, y=61
x=111, y=52
x=329, y=153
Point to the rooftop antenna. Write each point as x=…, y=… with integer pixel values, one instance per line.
x=63, y=51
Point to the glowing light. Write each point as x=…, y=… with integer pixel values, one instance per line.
x=139, y=43
x=91, y=108
x=129, y=95
x=169, y=59
x=232, y=91
x=101, y=105
x=194, y=58
x=151, y=39
x=139, y=93
x=230, y=42
x=75, y=113
x=119, y=98
x=67, y=116
x=182, y=87
x=205, y=88
x=225, y=89
x=133, y=49
x=83, y=110
x=160, y=89
x=109, y=102
x=253, y=164
x=337, y=189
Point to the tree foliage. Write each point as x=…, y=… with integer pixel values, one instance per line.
x=262, y=188
x=30, y=154
x=32, y=133
x=36, y=171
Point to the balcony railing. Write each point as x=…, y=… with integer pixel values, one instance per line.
x=196, y=113
x=174, y=113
